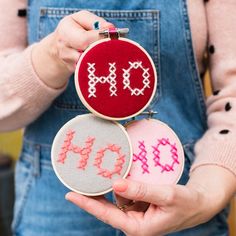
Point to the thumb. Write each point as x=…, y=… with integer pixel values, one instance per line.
x=161, y=195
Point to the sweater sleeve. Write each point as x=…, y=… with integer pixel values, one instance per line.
x=23, y=96
x=218, y=145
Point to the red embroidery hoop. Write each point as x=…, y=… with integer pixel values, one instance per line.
x=115, y=78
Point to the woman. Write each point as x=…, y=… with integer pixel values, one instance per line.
x=32, y=80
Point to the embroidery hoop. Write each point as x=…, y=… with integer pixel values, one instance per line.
x=114, y=34
x=181, y=151
x=54, y=156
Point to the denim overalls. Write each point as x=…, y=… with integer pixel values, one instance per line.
x=162, y=28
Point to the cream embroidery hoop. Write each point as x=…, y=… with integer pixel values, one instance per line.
x=86, y=160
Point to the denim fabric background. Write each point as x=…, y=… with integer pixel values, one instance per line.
x=162, y=28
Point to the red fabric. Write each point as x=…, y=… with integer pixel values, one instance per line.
x=121, y=52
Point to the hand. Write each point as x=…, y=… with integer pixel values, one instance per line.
x=55, y=57
x=172, y=208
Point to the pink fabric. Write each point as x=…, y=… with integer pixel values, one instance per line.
x=213, y=20
x=158, y=154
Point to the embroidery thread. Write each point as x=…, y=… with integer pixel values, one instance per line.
x=93, y=79
x=142, y=156
x=118, y=165
x=157, y=157
x=69, y=147
x=84, y=152
x=145, y=75
x=111, y=79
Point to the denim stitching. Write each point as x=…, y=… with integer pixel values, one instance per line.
x=35, y=158
x=157, y=59
x=40, y=31
x=121, y=14
x=74, y=107
x=192, y=62
x=18, y=215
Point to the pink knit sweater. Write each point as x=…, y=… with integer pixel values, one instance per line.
x=23, y=96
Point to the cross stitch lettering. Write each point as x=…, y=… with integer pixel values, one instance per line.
x=145, y=75
x=158, y=157
x=118, y=165
x=85, y=152
x=93, y=80
x=111, y=79
x=142, y=156
x=69, y=147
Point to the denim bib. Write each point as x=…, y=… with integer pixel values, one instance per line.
x=162, y=28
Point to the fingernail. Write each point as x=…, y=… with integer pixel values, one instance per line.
x=67, y=196
x=120, y=185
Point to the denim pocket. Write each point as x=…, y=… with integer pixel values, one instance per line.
x=23, y=183
x=140, y=23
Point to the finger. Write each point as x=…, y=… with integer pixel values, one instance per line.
x=160, y=195
x=103, y=210
x=79, y=38
x=87, y=19
x=68, y=55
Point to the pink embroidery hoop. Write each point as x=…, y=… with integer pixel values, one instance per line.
x=65, y=153
x=158, y=156
x=113, y=82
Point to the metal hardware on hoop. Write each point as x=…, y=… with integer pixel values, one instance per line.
x=114, y=33
x=150, y=113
